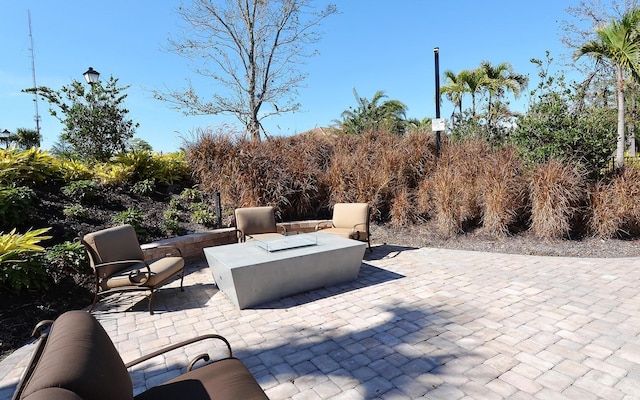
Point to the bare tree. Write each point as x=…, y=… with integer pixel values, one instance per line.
x=251, y=49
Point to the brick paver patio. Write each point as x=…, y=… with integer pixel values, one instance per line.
x=417, y=323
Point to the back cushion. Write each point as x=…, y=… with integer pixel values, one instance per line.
x=253, y=220
x=115, y=244
x=347, y=215
x=80, y=357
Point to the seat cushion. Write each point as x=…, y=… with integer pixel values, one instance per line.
x=223, y=379
x=161, y=270
x=347, y=233
x=79, y=357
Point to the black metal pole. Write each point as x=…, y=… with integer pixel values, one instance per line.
x=436, y=53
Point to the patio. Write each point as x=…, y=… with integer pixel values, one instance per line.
x=416, y=323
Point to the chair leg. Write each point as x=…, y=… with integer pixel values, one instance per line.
x=151, y=302
x=182, y=281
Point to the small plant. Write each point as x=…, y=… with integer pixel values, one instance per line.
x=191, y=194
x=84, y=190
x=16, y=205
x=144, y=187
x=134, y=218
x=172, y=226
x=20, y=267
x=204, y=217
x=75, y=211
x=65, y=259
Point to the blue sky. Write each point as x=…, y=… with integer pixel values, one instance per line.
x=371, y=45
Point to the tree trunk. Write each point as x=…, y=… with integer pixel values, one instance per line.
x=621, y=141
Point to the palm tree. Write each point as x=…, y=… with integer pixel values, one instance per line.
x=454, y=90
x=473, y=80
x=499, y=79
x=619, y=43
x=371, y=114
x=26, y=138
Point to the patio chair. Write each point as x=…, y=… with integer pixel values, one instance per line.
x=350, y=220
x=74, y=358
x=118, y=263
x=257, y=223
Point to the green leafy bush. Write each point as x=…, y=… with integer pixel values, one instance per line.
x=133, y=217
x=65, y=259
x=75, y=211
x=28, y=167
x=20, y=266
x=144, y=187
x=16, y=205
x=84, y=190
x=191, y=194
x=202, y=214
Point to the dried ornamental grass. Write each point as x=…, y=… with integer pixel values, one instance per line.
x=503, y=190
x=615, y=205
x=556, y=191
x=403, y=210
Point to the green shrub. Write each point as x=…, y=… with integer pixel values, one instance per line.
x=144, y=187
x=134, y=218
x=65, y=259
x=192, y=195
x=84, y=190
x=16, y=205
x=28, y=167
x=75, y=211
x=20, y=264
x=202, y=214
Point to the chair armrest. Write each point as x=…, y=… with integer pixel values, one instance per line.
x=179, y=345
x=99, y=266
x=356, y=225
x=324, y=224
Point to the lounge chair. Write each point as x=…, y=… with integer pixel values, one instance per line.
x=350, y=220
x=75, y=359
x=257, y=223
x=118, y=263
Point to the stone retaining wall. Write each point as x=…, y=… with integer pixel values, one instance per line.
x=191, y=245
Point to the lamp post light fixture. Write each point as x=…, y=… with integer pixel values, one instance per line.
x=91, y=76
x=4, y=137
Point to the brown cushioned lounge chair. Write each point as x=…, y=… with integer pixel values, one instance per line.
x=257, y=223
x=75, y=359
x=350, y=220
x=118, y=263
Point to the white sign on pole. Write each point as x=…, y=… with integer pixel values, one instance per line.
x=437, y=124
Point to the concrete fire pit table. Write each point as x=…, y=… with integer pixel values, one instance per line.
x=255, y=272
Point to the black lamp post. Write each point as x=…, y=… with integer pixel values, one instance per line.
x=91, y=76
x=4, y=137
x=436, y=54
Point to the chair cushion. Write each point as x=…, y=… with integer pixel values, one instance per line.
x=251, y=220
x=348, y=215
x=115, y=244
x=79, y=357
x=224, y=379
x=161, y=270
x=347, y=233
